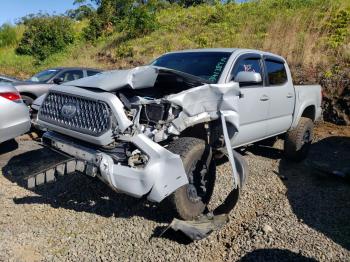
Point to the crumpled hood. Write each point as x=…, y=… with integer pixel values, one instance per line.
x=135, y=78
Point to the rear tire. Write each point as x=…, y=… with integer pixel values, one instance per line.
x=190, y=201
x=298, y=141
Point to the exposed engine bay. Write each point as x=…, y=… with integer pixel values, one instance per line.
x=150, y=116
x=158, y=112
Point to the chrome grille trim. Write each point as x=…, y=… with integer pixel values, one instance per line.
x=81, y=114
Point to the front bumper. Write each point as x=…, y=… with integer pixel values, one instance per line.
x=162, y=175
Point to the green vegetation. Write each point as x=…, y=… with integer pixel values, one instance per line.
x=139, y=21
x=9, y=35
x=313, y=35
x=45, y=36
x=338, y=28
x=132, y=17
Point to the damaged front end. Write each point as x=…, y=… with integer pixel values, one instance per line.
x=117, y=125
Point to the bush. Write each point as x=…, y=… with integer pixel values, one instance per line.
x=94, y=30
x=102, y=22
x=292, y=4
x=338, y=28
x=124, y=50
x=140, y=21
x=45, y=36
x=8, y=35
x=133, y=17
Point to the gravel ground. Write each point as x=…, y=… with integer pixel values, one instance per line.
x=286, y=212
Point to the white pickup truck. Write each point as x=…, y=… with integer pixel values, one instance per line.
x=155, y=130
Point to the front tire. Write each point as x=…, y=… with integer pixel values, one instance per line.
x=190, y=201
x=298, y=141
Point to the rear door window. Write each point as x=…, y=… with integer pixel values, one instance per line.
x=276, y=72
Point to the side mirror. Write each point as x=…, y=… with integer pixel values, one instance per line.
x=58, y=80
x=248, y=78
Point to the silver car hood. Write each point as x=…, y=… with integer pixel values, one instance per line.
x=135, y=78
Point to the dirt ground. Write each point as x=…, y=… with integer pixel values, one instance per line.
x=287, y=211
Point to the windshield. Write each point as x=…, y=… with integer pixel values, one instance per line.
x=206, y=65
x=43, y=76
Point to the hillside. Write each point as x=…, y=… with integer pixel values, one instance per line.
x=313, y=35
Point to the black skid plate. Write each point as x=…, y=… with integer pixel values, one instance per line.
x=62, y=168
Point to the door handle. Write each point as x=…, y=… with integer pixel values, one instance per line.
x=264, y=98
x=289, y=95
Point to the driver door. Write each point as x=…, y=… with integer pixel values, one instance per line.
x=254, y=103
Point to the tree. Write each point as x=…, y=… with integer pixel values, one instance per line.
x=80, y=13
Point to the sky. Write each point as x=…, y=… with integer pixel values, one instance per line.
x=10, y=10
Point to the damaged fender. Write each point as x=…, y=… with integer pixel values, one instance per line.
x=204, y=103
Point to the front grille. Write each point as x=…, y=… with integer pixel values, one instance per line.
x=76, y=113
